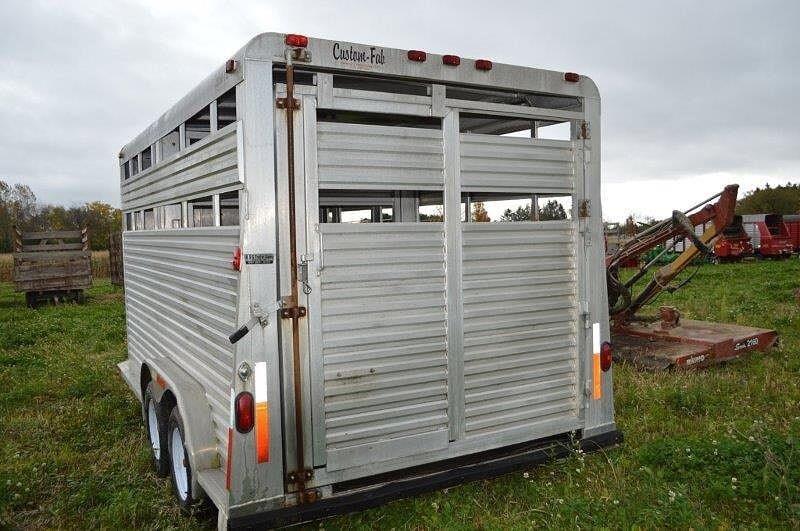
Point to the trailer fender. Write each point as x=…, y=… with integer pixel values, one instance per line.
x=131, y=373
x=201, y=444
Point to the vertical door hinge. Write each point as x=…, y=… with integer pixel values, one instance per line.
x=586, y=133
x=585, y=314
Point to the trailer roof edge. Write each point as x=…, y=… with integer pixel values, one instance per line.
x=270, y=47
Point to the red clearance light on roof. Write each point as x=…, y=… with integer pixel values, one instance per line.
x=452, y=60
x=245, y=412
x=572, y=77
x=417, y=55
x=483, y=64
x=298, y=41
x=606, y=356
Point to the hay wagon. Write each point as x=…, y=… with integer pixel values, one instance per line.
x=52, y=265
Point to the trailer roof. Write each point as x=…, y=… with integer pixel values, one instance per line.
x=363, y=59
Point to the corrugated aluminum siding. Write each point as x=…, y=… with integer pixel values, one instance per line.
x=378, y=157
x=383, y=341
x=509, y=164
x=207, y=165
x=180, y=293
x=520, y=314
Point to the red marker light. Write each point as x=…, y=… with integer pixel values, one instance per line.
x=606, y=356
x=417, y=55
x=245, y=412
x=237, y=259
x=230, y=66
x=451, y=60
x=297, y=41
x=572, y=77
x=483, y=64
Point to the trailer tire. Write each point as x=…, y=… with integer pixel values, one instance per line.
x=180, y=467
x=156, y=425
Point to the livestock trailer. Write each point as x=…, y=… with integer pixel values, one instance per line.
x=316, y=319
x=734, y=243
x=52, y=265
x=769, y=235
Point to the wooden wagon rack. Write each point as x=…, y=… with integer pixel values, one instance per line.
x=52, y=265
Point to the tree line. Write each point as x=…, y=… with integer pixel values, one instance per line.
x=783, y=199
x=19, y=207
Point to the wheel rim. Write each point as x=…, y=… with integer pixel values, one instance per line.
x=179, y=472
x=152, y=424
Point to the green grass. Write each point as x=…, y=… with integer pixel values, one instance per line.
x=716, y=448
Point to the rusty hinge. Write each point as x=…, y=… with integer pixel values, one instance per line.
x=584, y=211
x=293, y=312
x=306, y=474
x=301, y=54
x=283, y=103
x=586, y=134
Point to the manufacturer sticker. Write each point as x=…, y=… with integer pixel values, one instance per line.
x=696, y=359
x=259, y=258
x=748, y=343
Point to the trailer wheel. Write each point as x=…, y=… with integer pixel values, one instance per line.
x=180, y=467
x=156, y=427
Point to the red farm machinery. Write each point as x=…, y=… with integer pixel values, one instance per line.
x=734, y=243
x=770, y=235
x=793, y=224
x=669, y=340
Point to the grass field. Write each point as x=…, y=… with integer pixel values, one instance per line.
x=718, y=448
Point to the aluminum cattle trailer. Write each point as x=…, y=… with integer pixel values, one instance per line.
x=315, y=322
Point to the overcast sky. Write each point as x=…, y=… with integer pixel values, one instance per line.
x=695, y=94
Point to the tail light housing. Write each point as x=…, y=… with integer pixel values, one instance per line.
x=297, y=41
x=483, y=64
x=572, y=77
x=606, y=356
x=417, y=55
x=236, y=262
x=451, y=60
x=245, y=412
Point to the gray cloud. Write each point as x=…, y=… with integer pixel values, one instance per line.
x=694, y=93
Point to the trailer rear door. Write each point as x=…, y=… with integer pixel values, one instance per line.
x=441, y=337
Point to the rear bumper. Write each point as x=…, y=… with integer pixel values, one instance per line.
x=357, y=497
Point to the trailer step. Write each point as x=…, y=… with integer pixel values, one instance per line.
x=687, y=345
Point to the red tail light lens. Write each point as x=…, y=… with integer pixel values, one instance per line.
x=245, y=412
x=572, y=77
x=483, y=64
x=452, y=60
x=417, y=55
x=237, y=259
x=298, y=41
x=606, y=356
